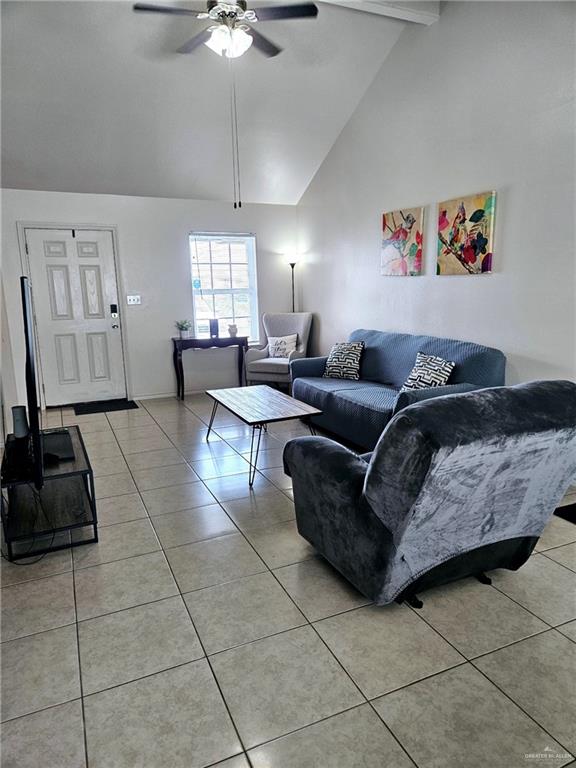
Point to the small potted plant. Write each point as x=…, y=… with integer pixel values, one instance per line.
x=184, y=327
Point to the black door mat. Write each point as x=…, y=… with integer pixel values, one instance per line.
x=101, y=406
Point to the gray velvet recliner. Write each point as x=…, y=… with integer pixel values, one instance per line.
x=456, y=486
x=260, y=366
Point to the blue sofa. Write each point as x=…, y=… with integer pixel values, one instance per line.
x=358, y=411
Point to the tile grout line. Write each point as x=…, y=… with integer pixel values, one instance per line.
x=241, y=742
x=515, y=703
x=80, y=682
x=308, y=623
x=268, y=569
x=522, y=606
x=465, y=660
x=366, y=700
x=567, y=567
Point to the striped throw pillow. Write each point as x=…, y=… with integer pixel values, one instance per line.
x=429, y=371
x=344, y=360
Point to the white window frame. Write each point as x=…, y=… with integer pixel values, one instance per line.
x=249, y=239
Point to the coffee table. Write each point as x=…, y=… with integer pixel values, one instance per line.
x=258, y=406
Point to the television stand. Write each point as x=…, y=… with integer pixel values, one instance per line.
x=36, y=522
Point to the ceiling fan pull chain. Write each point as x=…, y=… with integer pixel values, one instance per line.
x=236, y=137
x=232, y=132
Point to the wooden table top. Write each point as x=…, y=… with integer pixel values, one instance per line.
x=261, y=404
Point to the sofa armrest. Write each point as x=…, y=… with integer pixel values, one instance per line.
x=411, y=396
x=255, y=353
x=307, y=366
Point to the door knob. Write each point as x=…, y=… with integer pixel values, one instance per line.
x=114, y=326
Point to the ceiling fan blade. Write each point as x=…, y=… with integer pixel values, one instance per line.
x=146, y=8
x=263, y=44
x=195, y=42
x=301, y=11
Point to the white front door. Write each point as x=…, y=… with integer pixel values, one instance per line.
x=75, y=296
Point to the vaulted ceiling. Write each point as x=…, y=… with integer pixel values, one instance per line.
x=94, y=100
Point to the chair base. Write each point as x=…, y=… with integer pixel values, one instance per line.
x=510, y=554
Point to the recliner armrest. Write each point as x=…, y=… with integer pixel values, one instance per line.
x=307, y=366
x=411, y=396
x=319, y=462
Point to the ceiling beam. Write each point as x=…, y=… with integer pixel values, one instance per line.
x=418, y=12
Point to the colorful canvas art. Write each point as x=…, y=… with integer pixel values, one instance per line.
x=402, y=242
x=466, y=235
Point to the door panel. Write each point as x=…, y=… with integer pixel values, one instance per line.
x=73, y=280
x=92, y=301
x=67, y=358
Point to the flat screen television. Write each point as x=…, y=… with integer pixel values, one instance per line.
x=36, y=449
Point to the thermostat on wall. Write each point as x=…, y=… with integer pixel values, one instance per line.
x=133, y=299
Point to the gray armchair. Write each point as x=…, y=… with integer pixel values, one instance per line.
x=456, y=486
x=260, y=366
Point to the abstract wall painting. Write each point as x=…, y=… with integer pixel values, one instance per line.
x=402, y=236
x=466, y=235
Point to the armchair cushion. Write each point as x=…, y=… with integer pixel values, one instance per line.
x=276, y=365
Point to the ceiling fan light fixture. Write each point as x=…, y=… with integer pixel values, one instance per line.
x=231, y=43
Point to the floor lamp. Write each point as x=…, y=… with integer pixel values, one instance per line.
x=292, y=259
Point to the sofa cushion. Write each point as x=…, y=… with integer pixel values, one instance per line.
x=356, y=410
x=368, y=404
x=389, y=357
x=279, y=365
x=314, y=391
x=359, y=415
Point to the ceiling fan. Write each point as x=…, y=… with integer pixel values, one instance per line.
x=230, y=35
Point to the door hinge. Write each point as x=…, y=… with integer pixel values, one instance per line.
x=26, y=248
x=73, y=233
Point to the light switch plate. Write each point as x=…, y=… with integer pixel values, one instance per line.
x=135, y=299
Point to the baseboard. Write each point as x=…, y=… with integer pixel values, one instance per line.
x=170, y=394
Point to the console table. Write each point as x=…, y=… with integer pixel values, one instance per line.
x=179, y=345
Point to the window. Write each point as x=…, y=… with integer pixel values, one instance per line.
x=224, y=283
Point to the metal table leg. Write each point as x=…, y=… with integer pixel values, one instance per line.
x=214, y=409
x=254, y=458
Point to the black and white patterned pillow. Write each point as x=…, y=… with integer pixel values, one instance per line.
x=344, y=360
x=429, y=371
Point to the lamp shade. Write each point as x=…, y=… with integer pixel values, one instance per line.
x=291, y=258
x=231, y=43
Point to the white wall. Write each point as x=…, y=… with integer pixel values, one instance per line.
x=484, y=99
x=153, y=260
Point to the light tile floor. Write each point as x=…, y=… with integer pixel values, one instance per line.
x=203, y=631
